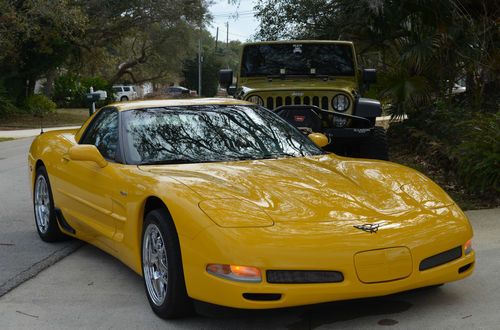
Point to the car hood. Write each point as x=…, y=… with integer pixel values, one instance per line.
x=314, y=189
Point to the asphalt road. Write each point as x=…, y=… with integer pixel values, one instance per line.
x=89, y=289
x=22, y=253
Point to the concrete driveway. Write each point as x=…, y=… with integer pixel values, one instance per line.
x=22, y=253
x=90, y=289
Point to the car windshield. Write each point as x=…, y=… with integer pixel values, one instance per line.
x=210, y=133
x=297, y=59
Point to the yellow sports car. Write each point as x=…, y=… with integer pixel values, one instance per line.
x=222, y=201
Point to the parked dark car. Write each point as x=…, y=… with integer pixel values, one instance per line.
x=177, y=91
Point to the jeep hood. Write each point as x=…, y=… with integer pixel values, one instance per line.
x=297, y=84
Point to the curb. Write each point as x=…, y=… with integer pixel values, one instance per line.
x=36, y=268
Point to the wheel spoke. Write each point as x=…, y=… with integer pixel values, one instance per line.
x=155, y=268
x=162, y=265
x=42, y=204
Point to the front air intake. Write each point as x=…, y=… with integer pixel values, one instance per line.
x=262, y=296
x=303, y=276
x=441, y=258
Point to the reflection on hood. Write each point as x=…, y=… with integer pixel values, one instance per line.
x=320, y=188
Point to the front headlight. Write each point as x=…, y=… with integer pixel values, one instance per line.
x=235, y=273
x=256, y=99
x=340, y=102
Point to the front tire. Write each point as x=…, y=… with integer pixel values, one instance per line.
x=43, y=207
x=124, y=99
x=162, y=267
x=375, y=147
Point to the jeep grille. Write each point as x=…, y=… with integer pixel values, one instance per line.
x=318, y=99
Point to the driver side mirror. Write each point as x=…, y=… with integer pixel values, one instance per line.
x=319, y=139
x=369, y=76
x=226, y=78
x=87, y=152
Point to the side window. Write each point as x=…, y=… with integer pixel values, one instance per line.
x=117, y=89
x=126, y=89
x=103, y=133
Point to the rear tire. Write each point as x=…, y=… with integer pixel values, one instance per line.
x=43, y=207
x=161, y=261
x=124, y=99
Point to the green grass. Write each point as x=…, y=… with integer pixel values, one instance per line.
x=2, y=139
x=62, y=117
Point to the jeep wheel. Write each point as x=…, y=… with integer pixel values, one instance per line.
x=374, y=147
x=124, y=99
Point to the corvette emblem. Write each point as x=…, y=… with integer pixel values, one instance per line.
x=368, y=227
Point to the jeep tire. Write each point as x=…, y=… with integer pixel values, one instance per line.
x=373, y=147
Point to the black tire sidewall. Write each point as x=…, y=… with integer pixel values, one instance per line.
x=375, y=147
x=176, y=303
x=53, y=232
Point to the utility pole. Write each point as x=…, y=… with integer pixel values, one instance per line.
x=216, y=39
x=200, y=61
x=227, y=33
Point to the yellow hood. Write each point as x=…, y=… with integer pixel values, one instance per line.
x=314, y=189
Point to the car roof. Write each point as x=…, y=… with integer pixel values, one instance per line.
x=130, y=105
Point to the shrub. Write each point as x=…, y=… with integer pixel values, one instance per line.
x=478, y=155
x=67, y=90
x=70, y=90
x=6, y=104
x=463, y=143
x=39, y=105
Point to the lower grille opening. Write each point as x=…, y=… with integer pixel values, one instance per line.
x=465, y=268
x=441, y=258
x=262, y=296
x=303, y=276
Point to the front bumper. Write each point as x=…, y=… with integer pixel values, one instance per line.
x=347, y=132
x=280, y=254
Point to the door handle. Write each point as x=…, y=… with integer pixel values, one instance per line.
x=66, y=158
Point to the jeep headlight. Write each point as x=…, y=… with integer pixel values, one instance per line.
x=340, y=102
x=256, y=99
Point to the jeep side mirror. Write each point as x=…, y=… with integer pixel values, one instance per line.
x=369, y=76
x=225, y=78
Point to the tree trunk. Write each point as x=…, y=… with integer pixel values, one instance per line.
x=48, y=89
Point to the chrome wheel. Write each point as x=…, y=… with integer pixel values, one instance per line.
x=42, y=204
x=155, y=269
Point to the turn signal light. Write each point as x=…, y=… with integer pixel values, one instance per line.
x=235, y=272
x=468, y=247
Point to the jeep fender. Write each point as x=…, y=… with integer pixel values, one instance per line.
x=368, y=108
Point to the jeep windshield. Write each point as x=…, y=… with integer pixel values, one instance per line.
x=210, y=133
x=297, y=59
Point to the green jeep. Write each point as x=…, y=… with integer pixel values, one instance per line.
x=316, y=86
